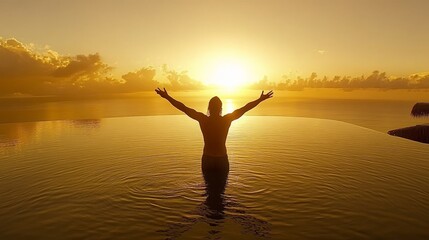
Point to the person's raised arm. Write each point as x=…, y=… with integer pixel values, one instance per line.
x=182, y=107
x=239, y=112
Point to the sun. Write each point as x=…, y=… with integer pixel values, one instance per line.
x=229, y=74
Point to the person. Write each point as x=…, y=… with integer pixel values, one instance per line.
x=214, y=128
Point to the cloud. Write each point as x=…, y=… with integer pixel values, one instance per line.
x=26, y=71
x=81, y=65
x=17, y=60
x=140, y=80
x=376, y=79
x=181, y=80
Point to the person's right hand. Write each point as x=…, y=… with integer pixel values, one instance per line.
x=266, y=96
x=161, y=93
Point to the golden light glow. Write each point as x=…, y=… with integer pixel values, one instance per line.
x=228, y=106
x=228, y=74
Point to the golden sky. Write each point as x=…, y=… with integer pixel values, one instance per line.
x=266, y=37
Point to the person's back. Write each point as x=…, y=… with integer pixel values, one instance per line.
x=215, y=131
x=214, y=128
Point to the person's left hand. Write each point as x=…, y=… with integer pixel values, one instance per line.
x=266, y=96
x=161, y=93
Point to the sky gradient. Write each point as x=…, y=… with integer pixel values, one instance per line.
x=267, y=37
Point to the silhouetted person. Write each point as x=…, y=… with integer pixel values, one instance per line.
x=215, y=128
x=215, y=165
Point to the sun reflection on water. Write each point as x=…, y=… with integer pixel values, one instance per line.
x=229, y=106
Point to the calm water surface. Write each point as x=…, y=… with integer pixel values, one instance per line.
x=140, y=178
x=374, y=109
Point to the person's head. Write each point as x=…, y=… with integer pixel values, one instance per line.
x=215, y=107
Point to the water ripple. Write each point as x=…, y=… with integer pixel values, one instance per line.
x=313, y=179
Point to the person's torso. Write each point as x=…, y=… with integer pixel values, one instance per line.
x=215, y=131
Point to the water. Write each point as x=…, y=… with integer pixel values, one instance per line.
x=140, y=178
x=374, y=109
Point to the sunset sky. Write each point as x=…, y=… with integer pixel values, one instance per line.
x=258, y=37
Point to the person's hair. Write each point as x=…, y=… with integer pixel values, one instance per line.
x=215, y=106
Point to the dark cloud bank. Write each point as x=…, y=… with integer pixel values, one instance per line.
x=24, y=70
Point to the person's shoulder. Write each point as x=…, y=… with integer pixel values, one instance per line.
x=202, y=117
x=227, y=117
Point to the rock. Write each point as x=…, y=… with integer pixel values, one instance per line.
x=419, y=133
